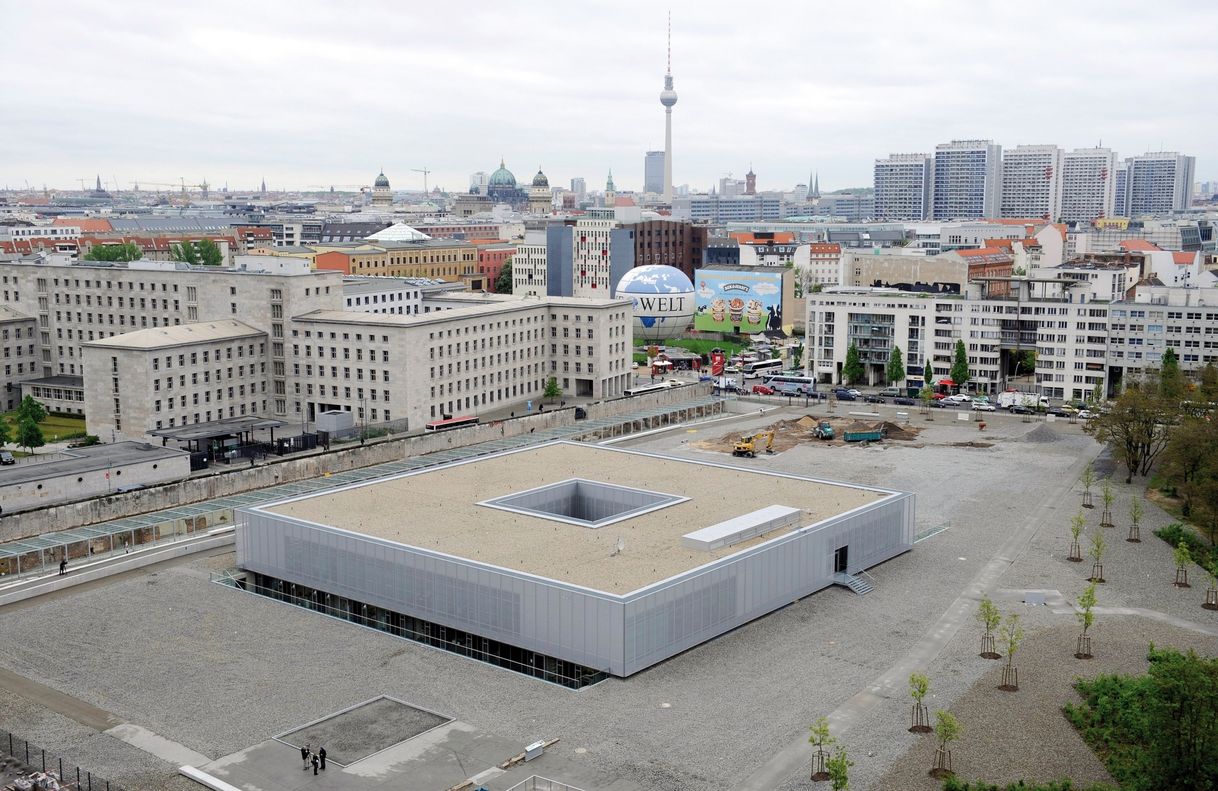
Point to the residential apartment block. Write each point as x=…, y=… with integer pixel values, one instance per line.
x=1160, y=183
x=967, y=180
x=1088, y=184
x=902, y=187
x=1031, y=182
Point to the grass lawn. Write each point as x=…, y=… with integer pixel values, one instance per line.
x=53, y=428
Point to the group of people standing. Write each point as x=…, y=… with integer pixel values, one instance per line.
x=317, y=759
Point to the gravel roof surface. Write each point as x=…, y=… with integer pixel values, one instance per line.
x=439, y=510
x=219, y=670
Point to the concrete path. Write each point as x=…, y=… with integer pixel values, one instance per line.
x=892, y=682
x=68, y=706
x=155, y=744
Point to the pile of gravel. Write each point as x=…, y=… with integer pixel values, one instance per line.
x=1042, y=433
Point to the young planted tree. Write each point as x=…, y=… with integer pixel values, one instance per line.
x=989, y=617
x=928, y=374
x=947, y=730
x=1096, y=552
x=1077, y=523
x=552, y=391
x=1088, y=480
x=820, y=739
x=1086, y=617
x=1106, y=494
x=1183, y=559
x=895, y=371
x=1010, y=634
x=1211, y=593
x=1135, y=520
x=919, y=685
x=29, y=434
x=959, y=372
x=853, y=371
x=839, y=769
x=6, y=434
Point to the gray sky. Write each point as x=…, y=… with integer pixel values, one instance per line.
x=319, y=93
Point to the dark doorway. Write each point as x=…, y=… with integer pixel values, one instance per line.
x=840, y=559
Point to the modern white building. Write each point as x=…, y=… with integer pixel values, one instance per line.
x=402, y=296
x=529, y=265
x=720, y=209
x=1031, y=182
x=1088, y=184
x=1160, y=183
x=967, y=180
x=902, y=187
x=653, y=172
x=1120, y=190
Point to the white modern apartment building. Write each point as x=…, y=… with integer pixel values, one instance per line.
x=720, y=209
x=967, y=180
x=529, y=265
x=1031, y=182
x=1088, y=184
x=902, y=187
x=1160, y=183
x=1161, y=318
x=1120, y=190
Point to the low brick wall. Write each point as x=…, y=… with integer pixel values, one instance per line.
x=65, y=516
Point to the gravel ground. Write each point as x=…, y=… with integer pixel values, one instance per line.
x=216, y=669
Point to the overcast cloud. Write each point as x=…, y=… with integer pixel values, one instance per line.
x=320, y=93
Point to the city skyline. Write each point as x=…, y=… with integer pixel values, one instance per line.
x=218, y=100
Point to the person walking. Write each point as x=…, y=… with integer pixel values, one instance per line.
x=315, y=761
x=63, y=567
x=321, y=753
x=304, y=756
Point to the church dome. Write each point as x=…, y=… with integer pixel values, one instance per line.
x=502, y=177
x=540, y=179
x=381, y=181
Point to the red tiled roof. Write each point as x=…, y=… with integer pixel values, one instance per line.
x=777, y=237
x=1140, y=245
x=623, y=201
x=85, y=224
x=982, y=252
x=825, y=247
x=1184, y=258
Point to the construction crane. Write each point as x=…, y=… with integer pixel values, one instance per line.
x=425, y=173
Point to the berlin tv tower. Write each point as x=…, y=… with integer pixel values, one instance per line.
x=668, y=97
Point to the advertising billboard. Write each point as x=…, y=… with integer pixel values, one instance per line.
x=738, y=301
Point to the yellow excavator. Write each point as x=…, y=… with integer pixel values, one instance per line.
x=747, y=446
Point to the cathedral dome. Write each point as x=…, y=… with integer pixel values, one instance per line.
x=381, y=181
x=502, y=177
x=540, y=179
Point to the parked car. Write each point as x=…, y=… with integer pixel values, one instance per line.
x=872, y=398
x=844, y=395
x=937, y=396
x=1086, y=414
x=903, y=401
x=1020, y=409
x=1057, y=411
x=960, y=398
x=7, y=458
x=891, y=392
x=763, y=390
x=984, y=406
x=941, y=403
x=854, y=392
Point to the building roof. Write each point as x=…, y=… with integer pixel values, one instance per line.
x=1184, y=258
x=85, y=224
x=764, y=237
x=377, y=285
x=985, y=255
x=179, y=335
x=77, y=461
x=62, y=380
x=540, y=179
x=502, y=177
x=381, y=181
x=449, y=514
x=398, y=232
x=8, y=314
x=1140, y=245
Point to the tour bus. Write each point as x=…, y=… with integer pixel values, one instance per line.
x=760, y=368
x=647, y=388
x=790, y=384
x=451, y=423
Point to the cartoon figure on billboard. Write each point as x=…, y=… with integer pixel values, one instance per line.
x=738, y=302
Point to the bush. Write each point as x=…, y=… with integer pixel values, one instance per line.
x=1175, y=533
x=1112, y=719
x=953, y=784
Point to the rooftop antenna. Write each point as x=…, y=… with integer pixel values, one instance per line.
x=670, y=41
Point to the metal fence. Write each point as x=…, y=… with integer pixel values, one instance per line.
x=25, y=762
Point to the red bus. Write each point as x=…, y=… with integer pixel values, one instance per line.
x=452, y=422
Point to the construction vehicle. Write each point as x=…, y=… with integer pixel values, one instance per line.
x=747, y=446
x=823, y=430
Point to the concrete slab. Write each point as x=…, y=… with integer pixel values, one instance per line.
x=154, y=743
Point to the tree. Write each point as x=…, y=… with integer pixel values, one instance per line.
x=6, y=433
x=928, y=373
x=1106, y=494
x=947, y=730
x=1184, y=559
x=1171, y=381
x=989, y=617
x=1086, y=617
x=503, y=281
x=1209, y=383
x=1077, y=523
x=1205, y=510
x=896, y=366
x=552, y=391
x=959, y=372
x=1137, y=427
x=919, y=685
x=853, y=371
x=1096, y=552
x=209, y=252
x=32, y=409
x=1211, y=594
x=1190, y=459
x=839, y=767
x=126, y=251
x=29, y=435
x=1182, y=712
x=184, y=252
x=1088, y=480
x=820, y=739
x=1135, y=520
x=1010, y=634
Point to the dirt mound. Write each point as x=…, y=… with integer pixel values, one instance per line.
x=972, y=444
x=1042, y=433
x=897, y=431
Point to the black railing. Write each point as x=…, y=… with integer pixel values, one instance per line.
x=24, y=759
